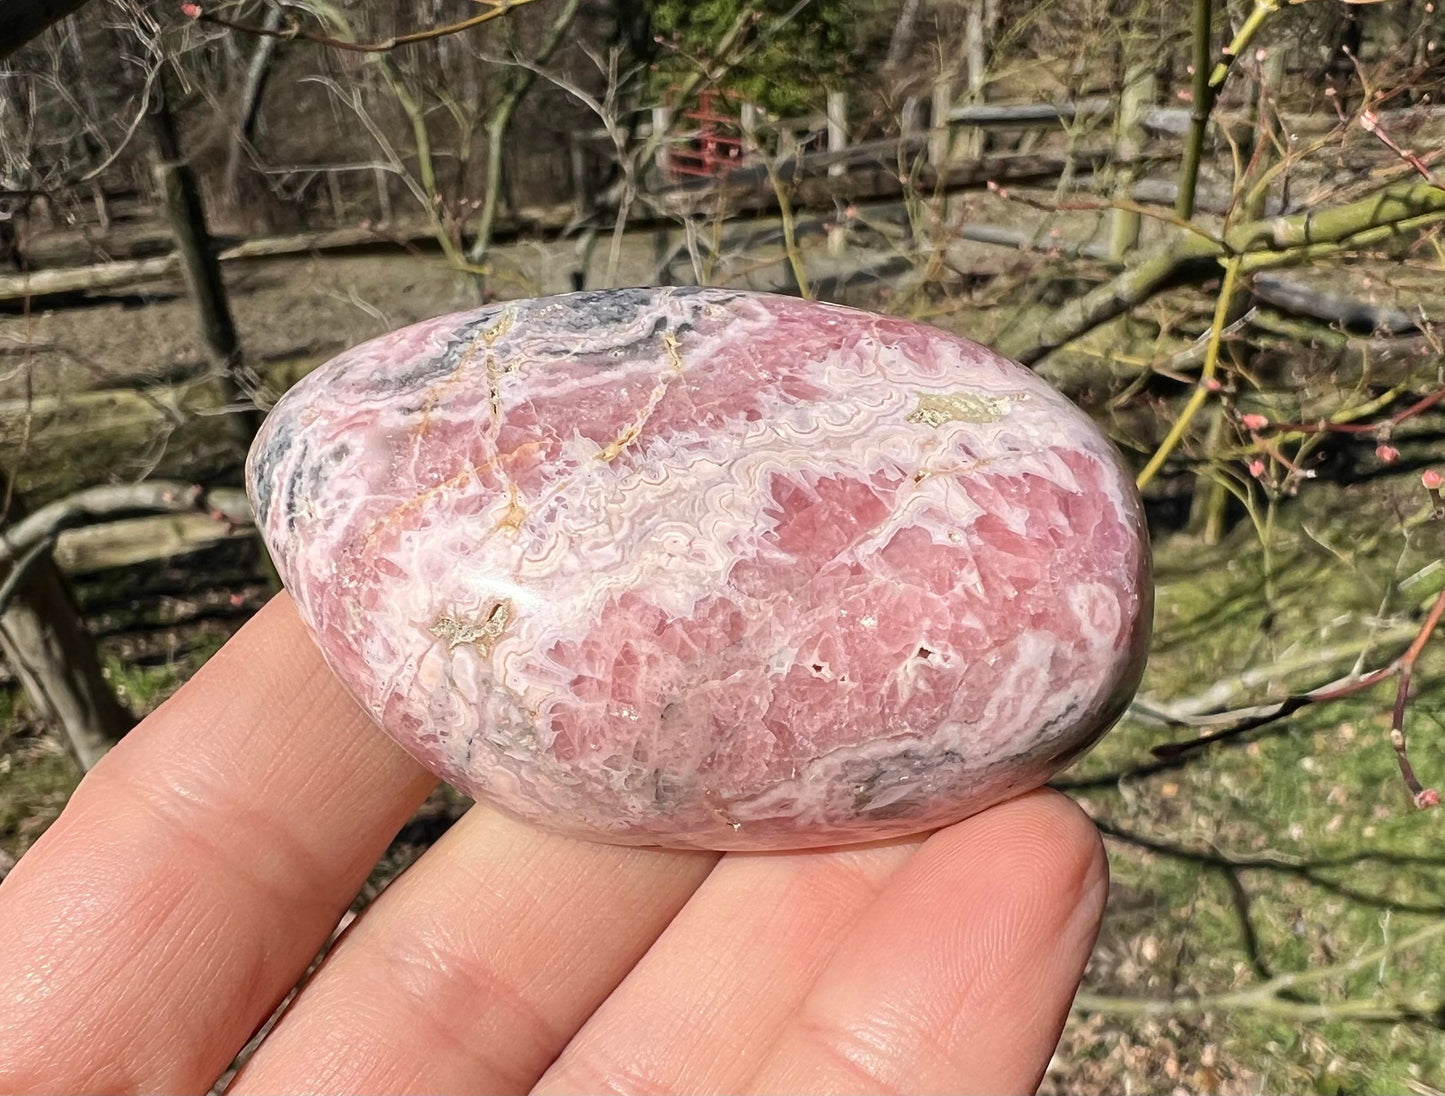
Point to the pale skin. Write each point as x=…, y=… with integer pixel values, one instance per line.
x=199, y=868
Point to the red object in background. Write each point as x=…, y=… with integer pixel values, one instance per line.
x=716, y=146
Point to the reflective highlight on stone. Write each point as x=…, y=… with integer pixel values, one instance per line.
x=704, y=568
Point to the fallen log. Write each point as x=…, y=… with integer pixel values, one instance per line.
x=129, y=272
x=93, y=504
x=101, y=277
x=91, y=548
x=872, y=175
x=877, y=181
x=86, y=279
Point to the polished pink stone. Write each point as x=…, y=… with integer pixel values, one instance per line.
x=703, y=568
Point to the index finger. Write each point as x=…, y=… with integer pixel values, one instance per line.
x=195, y=872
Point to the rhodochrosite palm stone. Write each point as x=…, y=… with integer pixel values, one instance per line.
x=701, y=568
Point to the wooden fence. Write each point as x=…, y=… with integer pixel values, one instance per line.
x=709, y=161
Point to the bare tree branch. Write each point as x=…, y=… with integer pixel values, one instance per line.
x=295, y=30
x=248, y=107
x=905, y=28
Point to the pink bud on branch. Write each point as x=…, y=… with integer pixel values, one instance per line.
x=1432, y=481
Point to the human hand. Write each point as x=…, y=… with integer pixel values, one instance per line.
x=199, y=868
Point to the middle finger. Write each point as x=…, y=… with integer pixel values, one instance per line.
x=706, y=1002
x=474, y=969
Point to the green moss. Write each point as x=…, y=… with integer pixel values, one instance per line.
x=36, y=778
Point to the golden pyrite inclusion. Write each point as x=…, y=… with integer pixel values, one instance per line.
x=701, y=568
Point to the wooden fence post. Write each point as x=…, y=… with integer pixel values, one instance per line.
x=940, y=136
x=577, y=165
x=908, y=117
x=837, y=128
x=972, y=141
x=383, y=195
x=748, y=118
x=1135, y=97
x=338, y=200
x=102, y=211
x=661, y=127
x=837, y=144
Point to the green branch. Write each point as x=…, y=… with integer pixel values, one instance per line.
x=1190, y=258
x=1206, y=86
x=1203, y=104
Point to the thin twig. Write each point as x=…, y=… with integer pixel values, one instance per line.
x=1208, y=709
x=1263, y=715
x=1380, y=430
x=1423, y=797
x=1401, y=668
x=1270, y=997
x=1370, y=122
x=1262, y=10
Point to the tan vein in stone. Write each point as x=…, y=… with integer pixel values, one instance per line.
x=674, y=368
